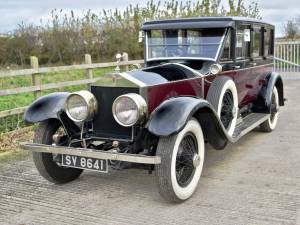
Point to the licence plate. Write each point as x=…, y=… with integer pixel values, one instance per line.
x=100, y=165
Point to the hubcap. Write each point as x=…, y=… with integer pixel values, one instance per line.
x=187, y=160
x=196, y=160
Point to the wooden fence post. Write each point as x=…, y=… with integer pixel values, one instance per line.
x=35, y=77
x=125, y=59
x=89, y=72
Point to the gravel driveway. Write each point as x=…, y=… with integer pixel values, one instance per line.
x=255, y=181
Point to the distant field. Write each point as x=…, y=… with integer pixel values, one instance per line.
x=20, y=100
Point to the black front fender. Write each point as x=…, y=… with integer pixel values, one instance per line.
x=46, y=107
x=172, y=115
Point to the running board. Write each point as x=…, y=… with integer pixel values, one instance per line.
x=249, y=123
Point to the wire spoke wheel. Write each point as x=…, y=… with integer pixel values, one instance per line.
x=182, y=157
x=222, y=94
x=227, y=109
x=184, y=160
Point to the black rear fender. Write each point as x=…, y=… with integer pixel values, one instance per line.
x=173, y=114
x=274, y=80
x=264, y=100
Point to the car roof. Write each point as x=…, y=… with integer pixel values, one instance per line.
x=199, y=22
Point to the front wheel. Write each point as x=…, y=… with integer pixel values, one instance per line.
x=182, y=157
x=45, y=163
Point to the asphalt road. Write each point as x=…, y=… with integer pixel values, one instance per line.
x=255, y=181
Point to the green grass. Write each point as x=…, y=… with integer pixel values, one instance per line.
x=20, y=100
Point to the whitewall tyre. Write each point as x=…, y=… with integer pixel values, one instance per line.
x=223, y=96
x=182, y=157
x=270, y=124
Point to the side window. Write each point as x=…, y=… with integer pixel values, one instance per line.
x=242, y=45
x=257, y=42
x=269, y=42
x=156, y=41
x=226, y=55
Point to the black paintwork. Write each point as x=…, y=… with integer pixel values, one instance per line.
x=199, y=22
x=172, y=115
x=171, y=72
x=46, y=107
x=162, y=74
x=274, y=80
x=104, y=124
x=264, y=100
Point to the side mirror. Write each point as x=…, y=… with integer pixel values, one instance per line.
x=215, y=69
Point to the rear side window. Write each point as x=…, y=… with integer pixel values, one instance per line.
x=268, y=42
x=242, y=45
x=257, y=42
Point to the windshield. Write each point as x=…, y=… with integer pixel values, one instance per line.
x=184, y=43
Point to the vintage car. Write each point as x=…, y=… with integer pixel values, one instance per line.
x=206, y=80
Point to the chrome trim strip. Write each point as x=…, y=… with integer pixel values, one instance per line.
x=97, y=154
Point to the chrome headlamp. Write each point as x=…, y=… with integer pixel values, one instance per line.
x=81, y=106
x=129, y=109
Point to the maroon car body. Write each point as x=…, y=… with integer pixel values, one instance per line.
x=205, y=80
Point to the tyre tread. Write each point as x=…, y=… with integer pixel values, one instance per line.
x=44, y=162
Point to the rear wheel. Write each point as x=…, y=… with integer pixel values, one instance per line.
x=182, y=157
x=223, y=96
x=270, y=124
x=46, y=163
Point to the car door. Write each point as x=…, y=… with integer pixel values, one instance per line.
x=242, y=64
x=261, y=60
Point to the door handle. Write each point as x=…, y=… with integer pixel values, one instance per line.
x=253, y=64
x=237, y=67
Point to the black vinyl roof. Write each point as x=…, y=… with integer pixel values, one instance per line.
x=199, y=22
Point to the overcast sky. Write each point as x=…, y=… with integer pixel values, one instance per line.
x=14, y=12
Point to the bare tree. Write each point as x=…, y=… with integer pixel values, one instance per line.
x=291, y=29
